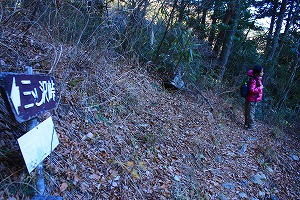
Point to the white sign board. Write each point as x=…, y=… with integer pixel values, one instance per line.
x=38, y=143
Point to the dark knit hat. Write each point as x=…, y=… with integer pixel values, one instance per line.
x=257, y=69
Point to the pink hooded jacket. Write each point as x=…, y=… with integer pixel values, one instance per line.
x=255, y=88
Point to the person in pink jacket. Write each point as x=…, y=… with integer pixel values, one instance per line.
x=254, y=96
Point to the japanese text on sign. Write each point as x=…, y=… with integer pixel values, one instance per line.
x=29, y=95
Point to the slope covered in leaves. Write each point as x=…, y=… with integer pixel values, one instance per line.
x=123, y=136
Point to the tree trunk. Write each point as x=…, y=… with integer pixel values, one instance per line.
x=203, y=24
x=271, y=29
x=206, y=6
x=212, y=32
x=291, y=16
x=288, y=86
x=277, y=31
x=181, y=9
x=229, y=37
x=228, y=16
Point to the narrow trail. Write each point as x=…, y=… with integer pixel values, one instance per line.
x=123, y=136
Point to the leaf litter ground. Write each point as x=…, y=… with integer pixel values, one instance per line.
x=123, y=136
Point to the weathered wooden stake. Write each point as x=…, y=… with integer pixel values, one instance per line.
x=31, y=124
x=40, y=183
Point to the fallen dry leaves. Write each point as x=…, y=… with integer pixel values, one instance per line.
x=123, y=136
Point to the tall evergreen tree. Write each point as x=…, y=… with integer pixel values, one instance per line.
x=214, y=18
x=279, y=22
x=235, y=8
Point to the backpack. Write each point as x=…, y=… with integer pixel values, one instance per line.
x=244, y=89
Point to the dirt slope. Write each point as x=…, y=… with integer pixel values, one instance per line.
x=122, y=136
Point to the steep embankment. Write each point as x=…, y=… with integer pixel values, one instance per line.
x=122, y=136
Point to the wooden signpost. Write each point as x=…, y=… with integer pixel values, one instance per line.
x=28, y=97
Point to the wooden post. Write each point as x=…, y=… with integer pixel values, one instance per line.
x=40, y=183
x=31, y=124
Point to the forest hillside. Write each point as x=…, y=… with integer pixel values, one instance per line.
x=148, y=103
x=123, y=136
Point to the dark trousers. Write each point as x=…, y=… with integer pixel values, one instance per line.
x=250, y=113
